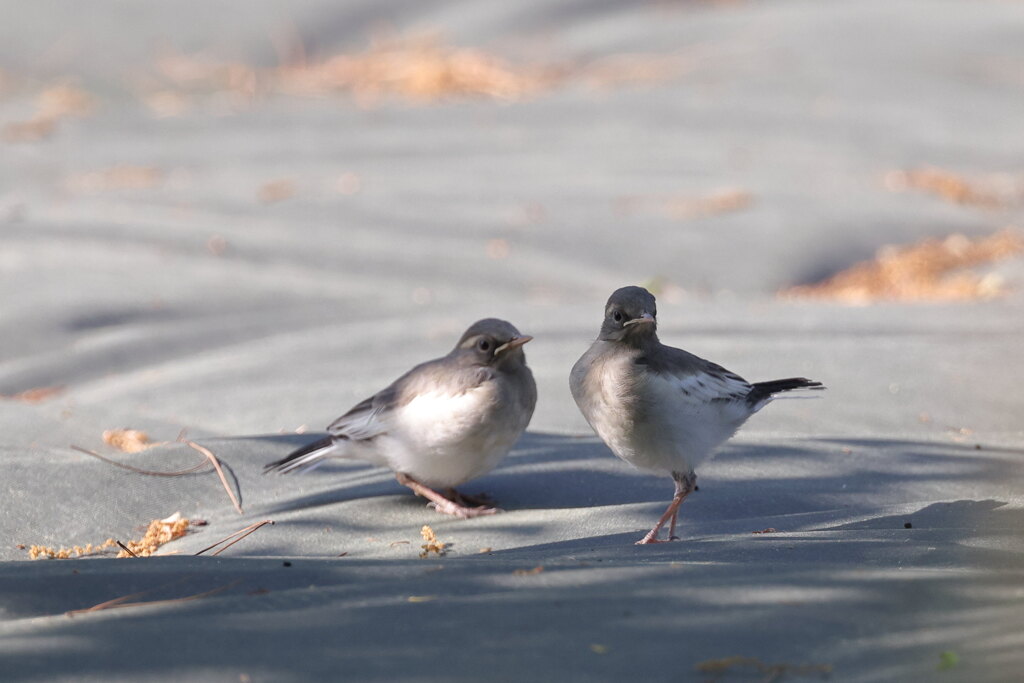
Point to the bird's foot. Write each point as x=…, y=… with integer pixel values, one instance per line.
x=449, y=507
x=649, y=540
x=440, y=503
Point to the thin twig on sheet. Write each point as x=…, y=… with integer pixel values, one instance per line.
x=241, y=533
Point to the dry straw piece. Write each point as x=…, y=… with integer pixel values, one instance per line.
x=932, y=270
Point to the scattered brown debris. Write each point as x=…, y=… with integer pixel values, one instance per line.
x=276, y=191
x=167, y=103
x=633, y=69
x=201, y=72
x=432, y=545
x=37, y=395
x=769, y=530
x=216, y=245
x=349, y=183
x=684, y=208
x=53, y=104
x=417, y=68
x=126, y=549
x=122, y=177
x=63, y=100
x=529, y=572
x=771, y=672
x=721, y=201
x=32, y=130
x=160, y=531
x=127, y=440
x=932, y=270
x=991, y=193
x=420, y=68
x=497, y=249
x=37, y=551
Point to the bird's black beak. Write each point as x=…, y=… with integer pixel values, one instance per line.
x=645, y=318
x=513, y=344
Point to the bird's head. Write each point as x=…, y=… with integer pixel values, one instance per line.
x=631, y=315
x=492, y=342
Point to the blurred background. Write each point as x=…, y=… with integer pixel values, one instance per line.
x=243, y=219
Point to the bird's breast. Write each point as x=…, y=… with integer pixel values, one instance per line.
x=604, y=388
x=446, y=439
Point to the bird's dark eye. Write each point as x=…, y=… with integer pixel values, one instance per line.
x=617, y=317
x=484, y=345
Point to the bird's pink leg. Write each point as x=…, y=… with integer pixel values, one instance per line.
x=672, y=527
x=684, y=485
x=440, y=503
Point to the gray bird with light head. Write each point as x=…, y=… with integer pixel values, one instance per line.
x=657, y=407
x=441, y=424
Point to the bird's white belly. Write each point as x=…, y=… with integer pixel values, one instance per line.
x=457, y=438
x=651, y=423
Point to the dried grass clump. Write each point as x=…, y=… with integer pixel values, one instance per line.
x=415, y=68
x=160, y=531
x=433, y=544
x=123, y=177
x=418, y=68
x=932, y=270
x=276, y=191
x=722, y=201
x=992, y=192
x=37, y=551
x=36, y=395
x=200, y=72
x=127, y=440
x=53, y=104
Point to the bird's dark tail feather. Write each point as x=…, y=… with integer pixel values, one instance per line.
x=283, y=464
x=763, y=390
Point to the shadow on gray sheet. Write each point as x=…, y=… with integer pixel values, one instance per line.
x=870, y=604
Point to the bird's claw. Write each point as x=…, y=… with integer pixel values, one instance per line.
x=650, y=540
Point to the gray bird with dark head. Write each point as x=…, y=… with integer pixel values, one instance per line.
x=658, y=407
x=441, y=424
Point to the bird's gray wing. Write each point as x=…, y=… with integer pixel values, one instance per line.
x=374, y=416
x=367, y=419
x=693, y=376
